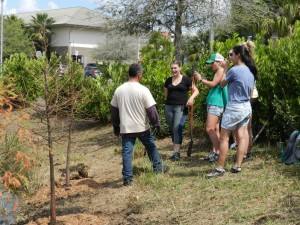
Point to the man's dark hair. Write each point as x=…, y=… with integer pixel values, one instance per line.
x=134, y=69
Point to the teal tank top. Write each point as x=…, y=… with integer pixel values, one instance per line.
x=217, y=96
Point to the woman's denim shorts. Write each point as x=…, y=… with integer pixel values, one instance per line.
x=236, y=115
x=214, y=110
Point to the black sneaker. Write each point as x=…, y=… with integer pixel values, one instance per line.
x=247, y=158
x=210, y=156
x=127, y=183
x=175, y=156
x=165, y=169
x=214, y=158
x=236, y=169
x=216, y=172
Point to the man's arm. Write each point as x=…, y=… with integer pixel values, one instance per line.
x=115, y=118
x=153, y=116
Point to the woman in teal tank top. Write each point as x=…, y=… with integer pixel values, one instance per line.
x=215, y=101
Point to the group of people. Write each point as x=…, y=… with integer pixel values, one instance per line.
x=228, y=104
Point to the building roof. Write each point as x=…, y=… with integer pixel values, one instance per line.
x=75, y=16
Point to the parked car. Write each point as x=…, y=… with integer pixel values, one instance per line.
x=62, y=69
x=91, y=70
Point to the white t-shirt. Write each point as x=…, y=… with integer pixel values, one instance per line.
x=132, y=99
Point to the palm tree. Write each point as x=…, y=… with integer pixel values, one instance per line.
x=14, y=18
x=40, y=31
x=284, y=16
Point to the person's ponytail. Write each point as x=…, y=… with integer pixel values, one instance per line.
x=246, y=57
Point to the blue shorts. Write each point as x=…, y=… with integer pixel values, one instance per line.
x=214, y=110
x=236, y=115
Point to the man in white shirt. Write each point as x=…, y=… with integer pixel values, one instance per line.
x=132, y=107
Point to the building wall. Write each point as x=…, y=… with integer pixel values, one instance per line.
x=74, y=40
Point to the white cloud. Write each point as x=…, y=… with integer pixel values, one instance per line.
x=28, y=6
x=52, y=5
x=96, y=2
x=7, y=11
x=10, y=11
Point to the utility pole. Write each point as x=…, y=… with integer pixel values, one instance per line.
x=211, y=31
x=1, y=41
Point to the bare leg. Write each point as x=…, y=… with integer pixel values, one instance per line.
x=249, y=127
x=176, y=147
x=212, y=122
x=243, y=142
x=217, y=130
x=224, y=144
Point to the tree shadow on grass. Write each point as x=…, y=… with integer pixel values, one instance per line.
x=103, y=140
x=32, y=214
x=83, y=125
x=100, y=185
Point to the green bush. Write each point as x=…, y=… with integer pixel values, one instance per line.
x=25, y=74
x=157, y=57
x=97, y=93
x=279, y=83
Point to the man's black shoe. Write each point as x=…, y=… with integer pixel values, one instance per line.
x=165, y=169
x=127, y=182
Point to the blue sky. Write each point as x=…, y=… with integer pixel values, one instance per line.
x=18, y=6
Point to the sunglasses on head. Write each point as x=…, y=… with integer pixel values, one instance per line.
x=230, y=54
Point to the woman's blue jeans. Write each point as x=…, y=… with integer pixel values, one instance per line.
x=127, y=151
x=175, y=117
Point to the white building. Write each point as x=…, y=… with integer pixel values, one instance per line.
x=76, y=31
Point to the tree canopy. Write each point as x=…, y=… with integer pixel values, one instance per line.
x=15, y=38
x=140, y=16
x=40, y=31
x=177, y=16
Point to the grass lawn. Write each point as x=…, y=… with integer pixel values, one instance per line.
x=265, y=192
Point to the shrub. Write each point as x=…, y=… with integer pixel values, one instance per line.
x=16, y=161
x=98, y=92
x=25, y=74
x=279, y=84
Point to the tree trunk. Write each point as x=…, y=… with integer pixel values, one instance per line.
x=69, y=146
x=178, y=31
x=71, y=96
x=49, y=130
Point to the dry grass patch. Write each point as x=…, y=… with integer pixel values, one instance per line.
x=266, y=192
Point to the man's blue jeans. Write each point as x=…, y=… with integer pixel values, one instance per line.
x=127, y=151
